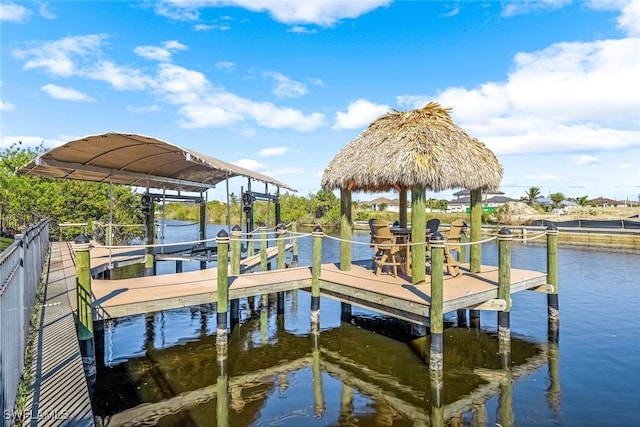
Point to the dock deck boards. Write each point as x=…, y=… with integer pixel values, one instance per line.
x=384, y=293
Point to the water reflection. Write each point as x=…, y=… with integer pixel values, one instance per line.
x=369, y=370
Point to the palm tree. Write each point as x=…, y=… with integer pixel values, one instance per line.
x=532, y=195
x=582, y=201
x=556, y=198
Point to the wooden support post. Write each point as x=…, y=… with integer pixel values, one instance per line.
x=203, y=228
x=280, y=302
x=553, y=391
x=474, y=319
x=222, y=387
x=318, y=396
x=345, y=229
x=553, y=309
x=281, y=230
x=345, y=312
x=346, y=402
x=436, y=417
x=476, y=229
x=294, y=244
x=418, y=234
x=236, y=242
x=462, y=255
x=151, y=240
x=234, y=314
x=263, y=246
x=315, y=275
x=178, y=266
x=504, y=288
x=222, y=240
x=461, y=315
x=436, y=359
x=402, y=202
x=251, y=250
x=82, y=247
x=264, y=318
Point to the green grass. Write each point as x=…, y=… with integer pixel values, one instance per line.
x=5, y=242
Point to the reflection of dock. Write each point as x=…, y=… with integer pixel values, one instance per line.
x=394, y=296
x=368, y=375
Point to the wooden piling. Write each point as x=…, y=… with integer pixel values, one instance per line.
x=236, y=243
x=505, y=238
x=82, y=247
x=418, y=235
x=294, y=244
x=476, y=229
x=222, y=241
x=436, y=360
x=345, y=229
x=222, y=387
x=315, y=275
x=263, y=247
x=462, y=253
x=553, y=308
x=179, y=266
x=318, y=396
x=151, y=238
x=280, y=233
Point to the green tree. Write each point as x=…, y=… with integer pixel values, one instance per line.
x=28, y=199
x=582, y=201
x=556, y=198
x=531, y=195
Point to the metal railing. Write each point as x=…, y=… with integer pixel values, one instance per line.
x=21, y=267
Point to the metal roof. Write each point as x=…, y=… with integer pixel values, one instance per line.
x=140, y=161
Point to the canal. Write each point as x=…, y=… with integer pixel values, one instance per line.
x=368, y=370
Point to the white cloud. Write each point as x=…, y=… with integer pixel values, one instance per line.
x=65, y=93
x=519, y=7
x=199, y=103
x=47, y=13
x=211, y=27
x=284, y=171
x=286, y=87
x=545, y=177
x=625, y=165
x=6, y=106
x=585, y=159
x=323, y=13
x=149, y=109
x=250, y=164
x=157, y=53
x=359, y=114
x=302, y=30
x=11, y=12
x=273, y=151
x=226, y=65
x=567, y=97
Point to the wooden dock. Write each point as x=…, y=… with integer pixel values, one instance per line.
x=386, y=294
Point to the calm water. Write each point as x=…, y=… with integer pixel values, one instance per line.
x=369, y=370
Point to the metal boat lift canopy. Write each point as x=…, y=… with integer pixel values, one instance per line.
x=138, y=161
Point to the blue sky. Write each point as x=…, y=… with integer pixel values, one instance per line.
x=279, y=87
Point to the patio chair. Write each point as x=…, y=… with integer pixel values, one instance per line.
x=385, y=244
x=453, y=236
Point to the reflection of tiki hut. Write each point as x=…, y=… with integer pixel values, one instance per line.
x=415, y=150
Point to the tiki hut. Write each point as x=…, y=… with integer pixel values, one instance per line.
x=414, y=151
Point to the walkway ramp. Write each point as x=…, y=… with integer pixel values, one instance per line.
x=59, y=394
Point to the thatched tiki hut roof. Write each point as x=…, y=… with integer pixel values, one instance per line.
x=415, y=150
x=403, y=148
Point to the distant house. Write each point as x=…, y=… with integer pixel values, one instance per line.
x=392, y=205
x=604, y=202
x=462, y=200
